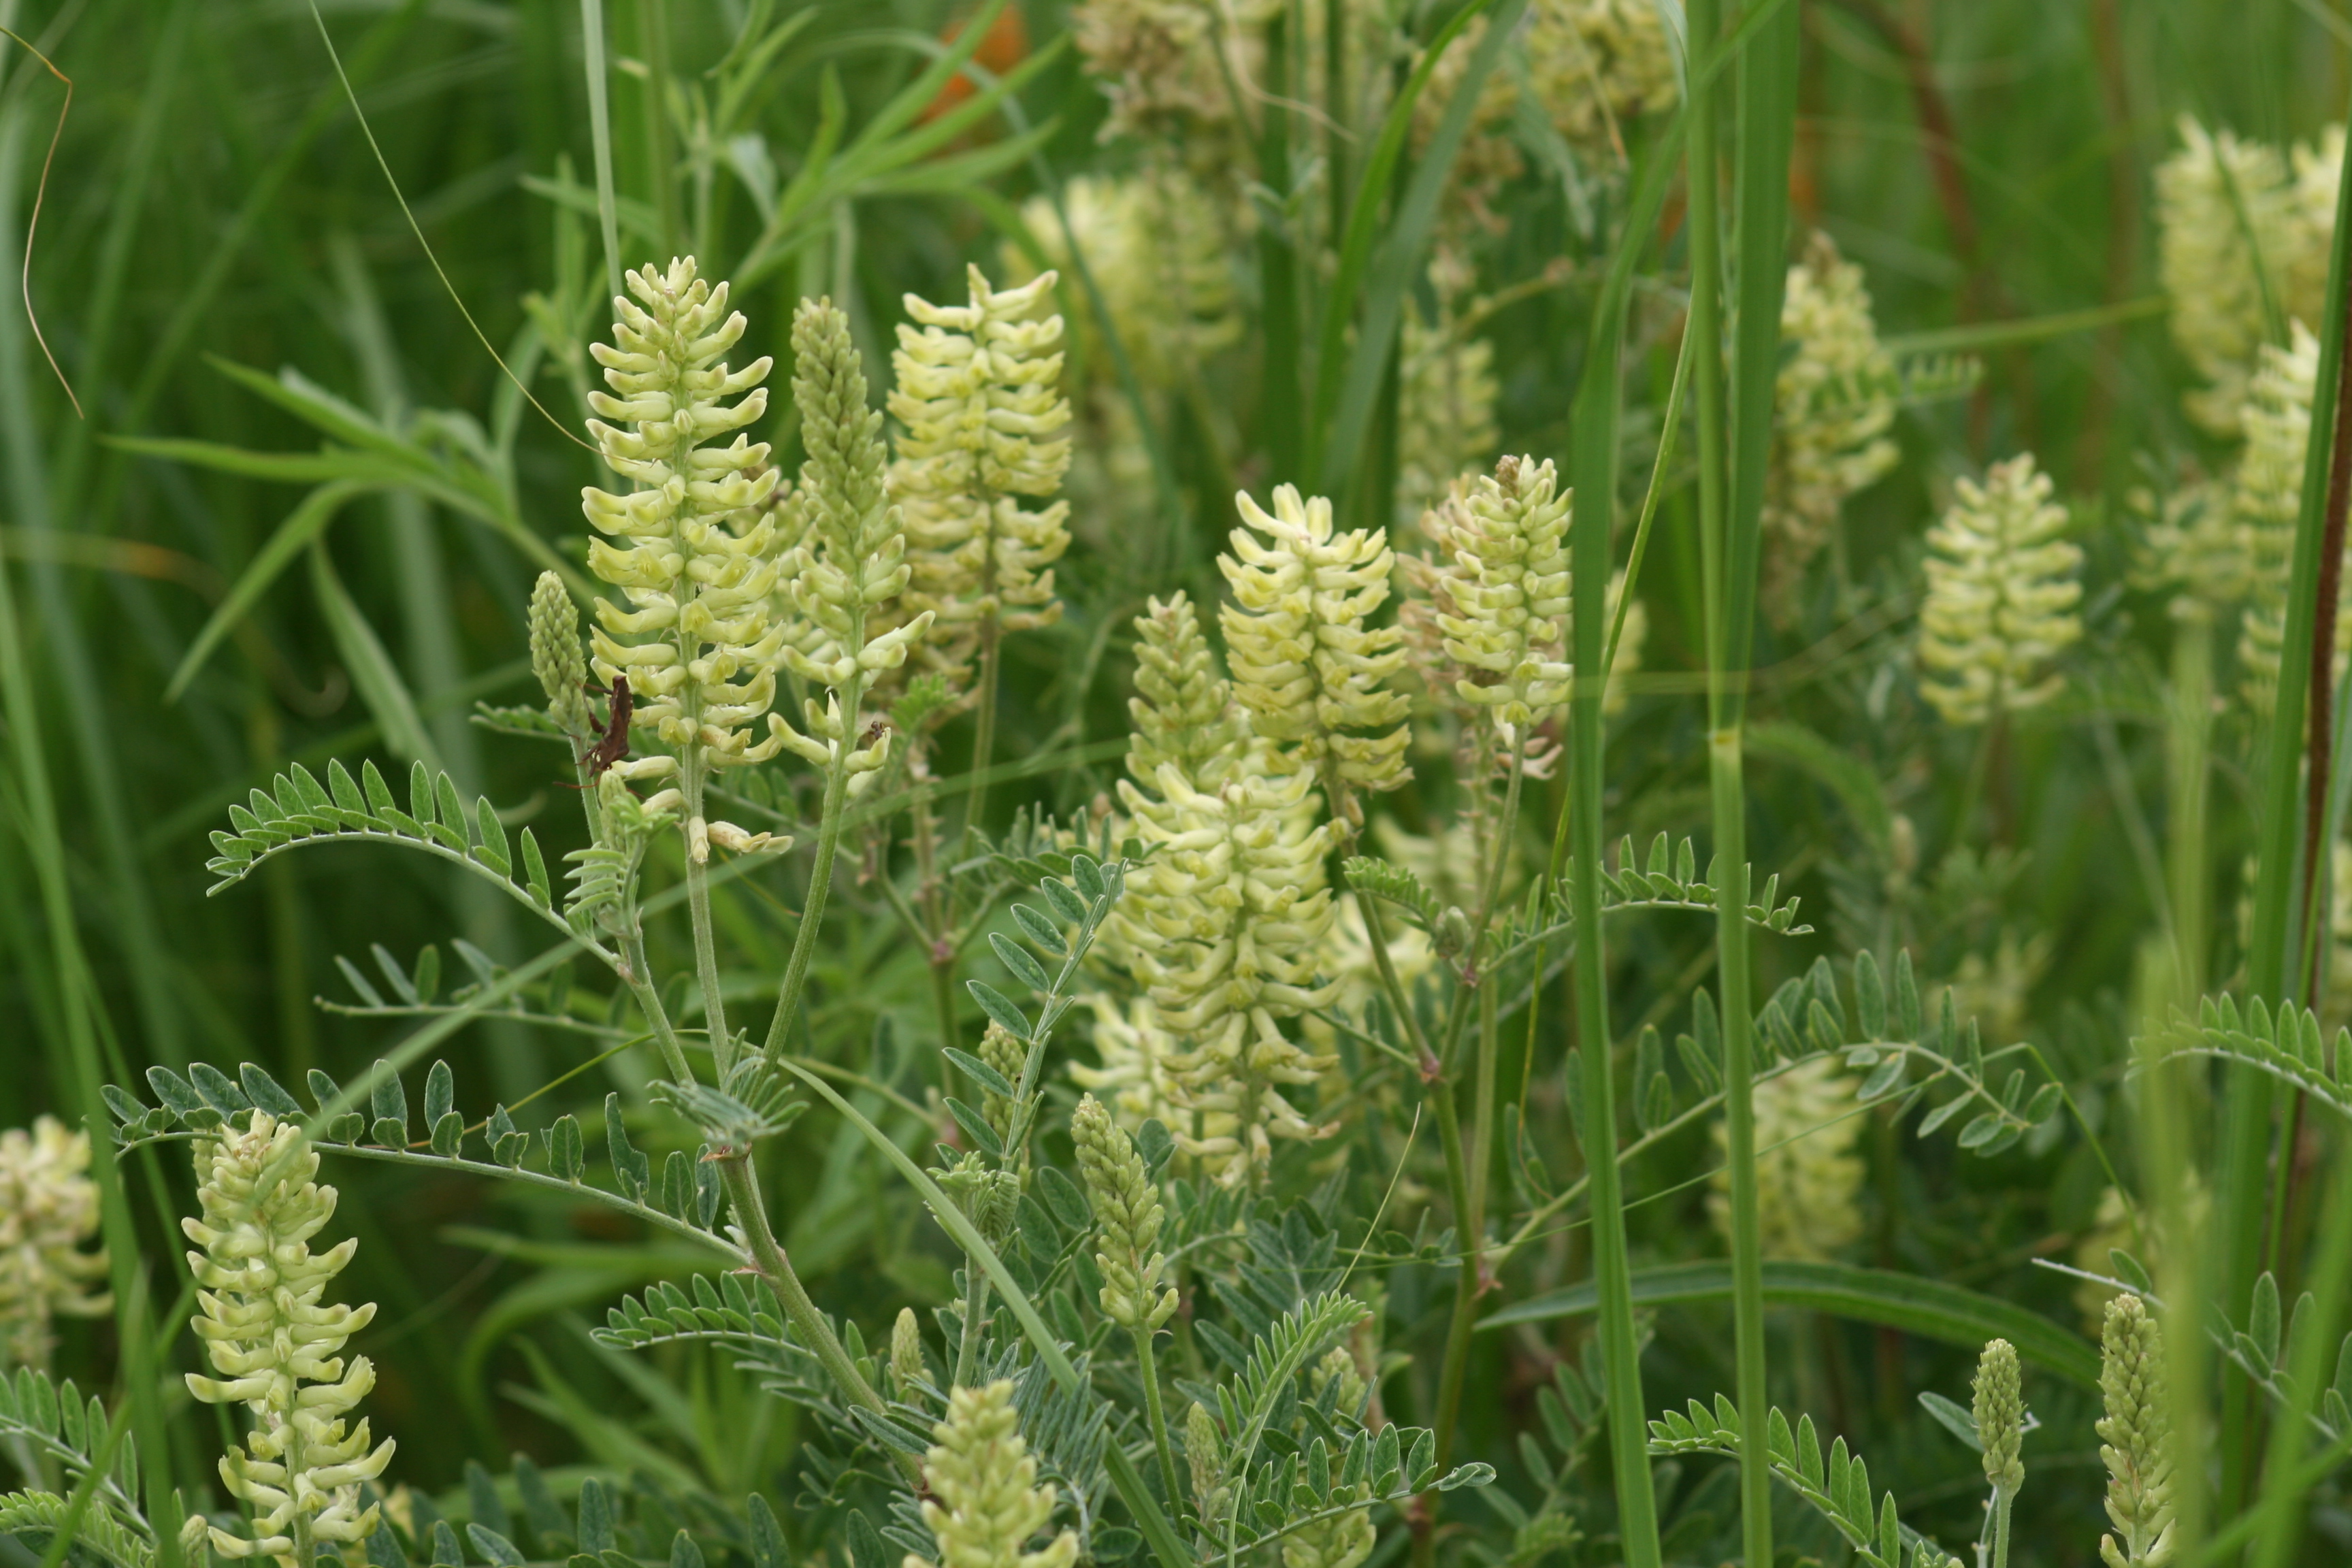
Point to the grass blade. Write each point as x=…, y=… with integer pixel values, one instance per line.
x=301, y=529
x=1356, y=250
x=1392, y=271
x=1931, y=1308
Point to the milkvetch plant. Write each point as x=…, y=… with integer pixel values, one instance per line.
x=1088, y=1012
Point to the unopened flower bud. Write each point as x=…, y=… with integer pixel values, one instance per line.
x=556, y=657
x=2001, y=1417
x=907, y=1369
x=1127, y=1206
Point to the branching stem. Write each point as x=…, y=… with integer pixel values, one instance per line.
x=743, y=1195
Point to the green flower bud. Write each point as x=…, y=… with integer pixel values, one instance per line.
x=1203, y=1455
x=1342, y=1540
x=985, y=1503
x=1008, y=1056
x=2134, y=1438
x=2001, y=1417
x=1339, y=1367
x=1127, y=1206
x=556, y=658
x=906, y=1368
x=851, y=561
x=1450, y=937
x=988, y=1197
x=48, y=1207
x=266, y=1333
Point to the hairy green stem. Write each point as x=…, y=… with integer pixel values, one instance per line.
x=297, y=1461
x=940, y=947
x=750, y=1212
x=1466, y=1172
x=2004, y=1499
x=1391, y=983
x=975, y=1309
x=640, y=981
x=828, y=844
x=1156, y=1412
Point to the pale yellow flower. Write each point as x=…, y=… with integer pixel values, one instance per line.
x=1808, y=1176
x=276, y=1348
x=1832, y=406
x=48, y=1208
x=2002, y=591
x=977, y=396
x=1308, y=664
x=1155, y=246
x=985, y=1502
x=2240, y=222
x=699, y=549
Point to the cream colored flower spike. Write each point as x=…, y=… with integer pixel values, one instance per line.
x=1808, y=1176
x=977, y=395
x=1829, y=416
x=985, y=1502
x=1308, y=664
x=2238, y=220
x=2001, y=592
x=1510, y=585
x=276, y=1348
x=48, y=1207
x=697, y=544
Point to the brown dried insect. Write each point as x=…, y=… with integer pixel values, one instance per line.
x=613, y=744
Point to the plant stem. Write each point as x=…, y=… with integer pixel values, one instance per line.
x=1156, y=1412
x=1391, y=985
x=983, y=738
x=1732, y=455
x=2002, y=1500
x=743, y=1195
x=649, y=1002
x=1465, y=1174
x=297, y=1462
x=692, y=776
x=1466, y=1287
x=938, y=947
x=975, y=1307
x=828, y=843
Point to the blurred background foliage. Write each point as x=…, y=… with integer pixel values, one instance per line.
x=214, y=204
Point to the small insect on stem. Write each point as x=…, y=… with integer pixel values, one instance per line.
x=613, y=744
